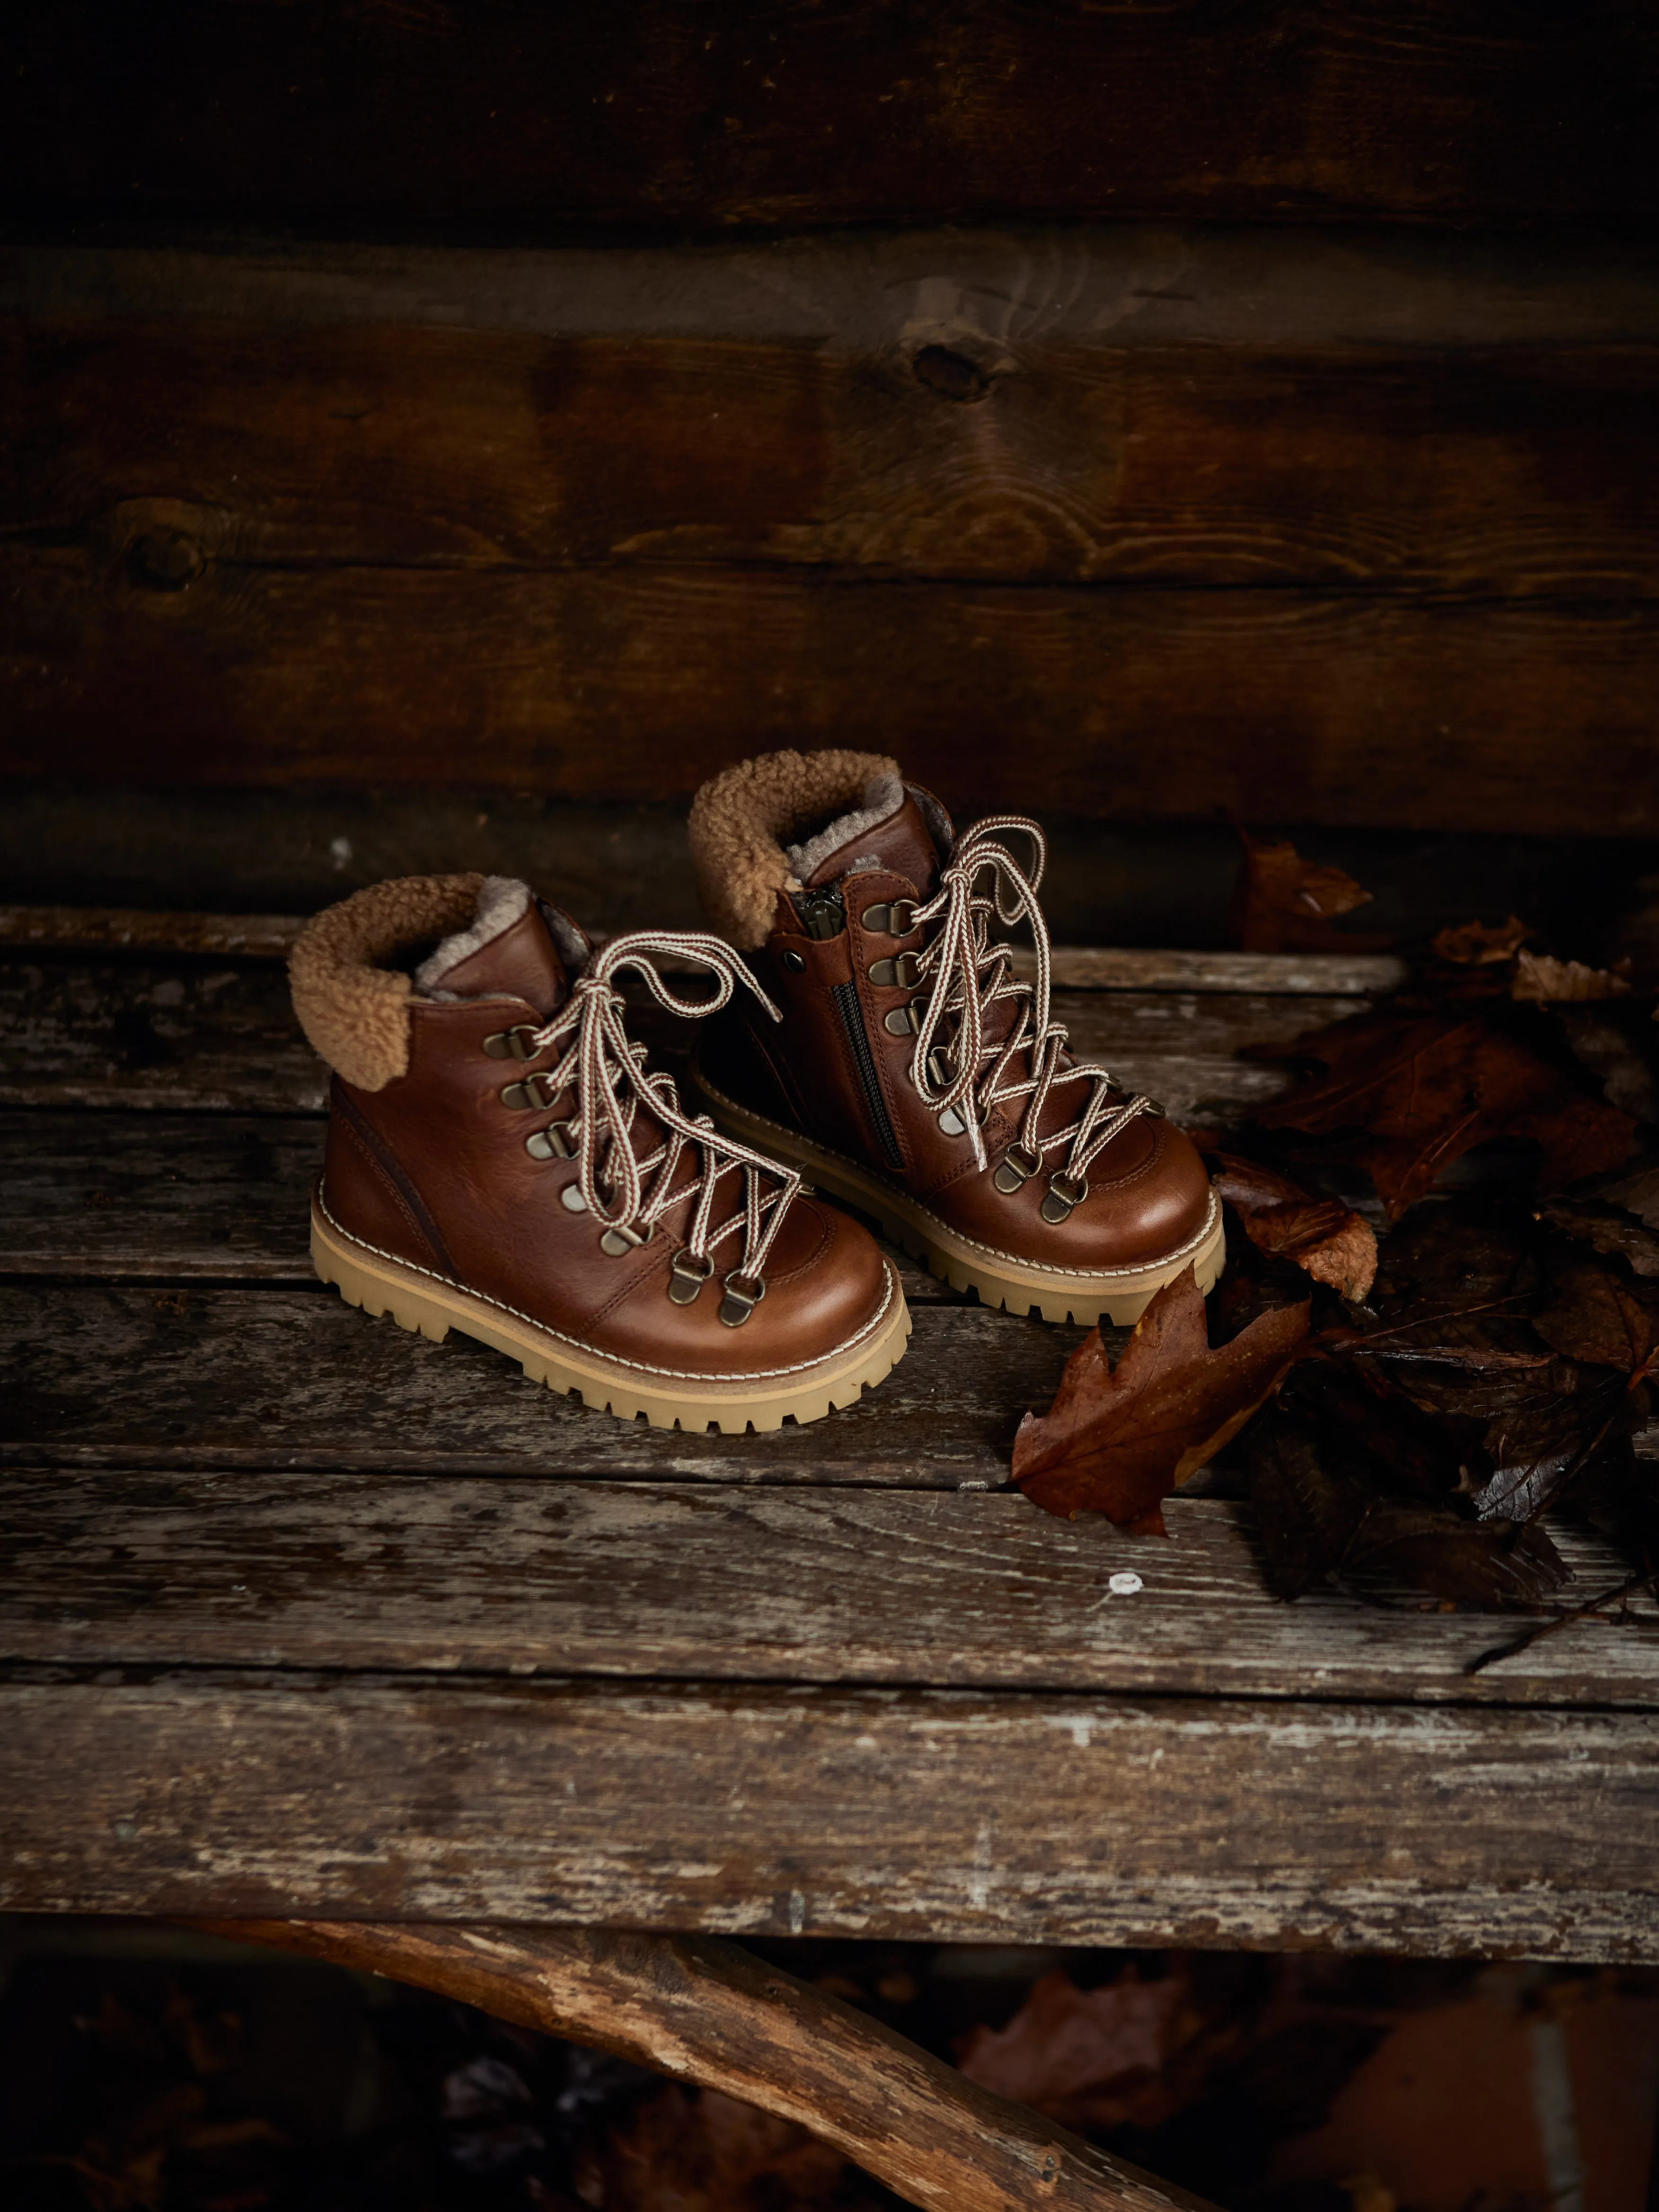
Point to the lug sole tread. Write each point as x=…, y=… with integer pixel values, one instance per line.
x=374, y=1287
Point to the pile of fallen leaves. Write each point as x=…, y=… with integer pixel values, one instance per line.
x=1408, y=1405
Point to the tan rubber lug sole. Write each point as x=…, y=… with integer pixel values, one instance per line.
x=430, y=1307
x=1000, y=1280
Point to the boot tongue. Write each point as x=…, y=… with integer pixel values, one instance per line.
x=506, y=951
x=901, y=844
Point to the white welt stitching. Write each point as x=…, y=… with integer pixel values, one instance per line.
x=612, y=1358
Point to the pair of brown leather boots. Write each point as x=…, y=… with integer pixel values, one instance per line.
x=501, y=1158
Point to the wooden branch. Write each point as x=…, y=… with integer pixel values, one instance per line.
x=705, y=2011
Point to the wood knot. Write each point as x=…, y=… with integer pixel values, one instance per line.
x=951, y=374
x=165, y=560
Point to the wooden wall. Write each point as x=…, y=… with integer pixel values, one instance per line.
x=1279, y=433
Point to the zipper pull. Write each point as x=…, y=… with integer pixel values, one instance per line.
x=822, y=913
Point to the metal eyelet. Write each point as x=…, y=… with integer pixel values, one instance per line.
x=1064, y=1192
x=741, y=1299
x=516, y=1043
x=619, y=1240
x=902, y=1021
x=572, y=1200
x=533, y=1092
x=550, y=1144
x=897, y=918
x=686, y=1276
x=904, y=972
x=793, y=961
x=1015, y=1167
x=952, y=1123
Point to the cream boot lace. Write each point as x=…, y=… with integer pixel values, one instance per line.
x=969, y=973
x=605, y=1072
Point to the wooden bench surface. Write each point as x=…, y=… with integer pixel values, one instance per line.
x=304, y=1615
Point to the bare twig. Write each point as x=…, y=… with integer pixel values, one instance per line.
x=1489, y=1658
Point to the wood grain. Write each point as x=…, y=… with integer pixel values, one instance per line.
x=667, y=115
x=1110, y=285
x=179, y=1036
x=102, y=1375
x=176, y=1198
x=935, y=1814
x=1525, y=472
x=141, y=929
x=630, y=682
x=1078, y=967
x=701, y=2010
x=670, y=1580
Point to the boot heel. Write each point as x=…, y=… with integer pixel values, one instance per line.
x=359, y=1285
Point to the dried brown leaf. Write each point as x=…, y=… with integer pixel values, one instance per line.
x=1308, y=1508
x=1119, y=1441
x=1472, y=945
x=1085, y=2058
x=1404, y=1094
x=1543, y=980
x=1608, y=1230
x=1285, y=905
x=1470, y=1563
x=1595, y=1317
x=1619, y=1052
x=1327, y=1239
x=680, y=2152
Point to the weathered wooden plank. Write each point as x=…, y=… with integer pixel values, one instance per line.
x=1076, y=967
x=629, y=684
x=1101, y=968
x=939, y=1814
x=651, y=1580
x=197, y=1037
x=617, y=867
x=1104, y=286
x=184, y=1038
x=704, y=2011
x=101, y=1376
x=667, y=114
x=196, y=1198
x=174, y=444
x=172, y=1198
x=141, y=929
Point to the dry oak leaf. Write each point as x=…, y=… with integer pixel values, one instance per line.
x=1413, y=1092
x=1474, y=944
x=1329, y=1240
x=1545, y=981
x=1285, y=905
x=1118, y=1440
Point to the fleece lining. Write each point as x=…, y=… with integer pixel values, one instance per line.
x=755, y=828
x=354, y=1012
x=501, y=902
x=883, y=797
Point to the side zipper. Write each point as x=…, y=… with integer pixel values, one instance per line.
x=824, y=915
x=852, y=1017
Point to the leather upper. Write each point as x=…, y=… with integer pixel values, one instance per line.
x=433, y=1169
x=1148, y=1191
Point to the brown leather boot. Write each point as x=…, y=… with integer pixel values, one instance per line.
x=913, y=1074
x=501, y=1160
